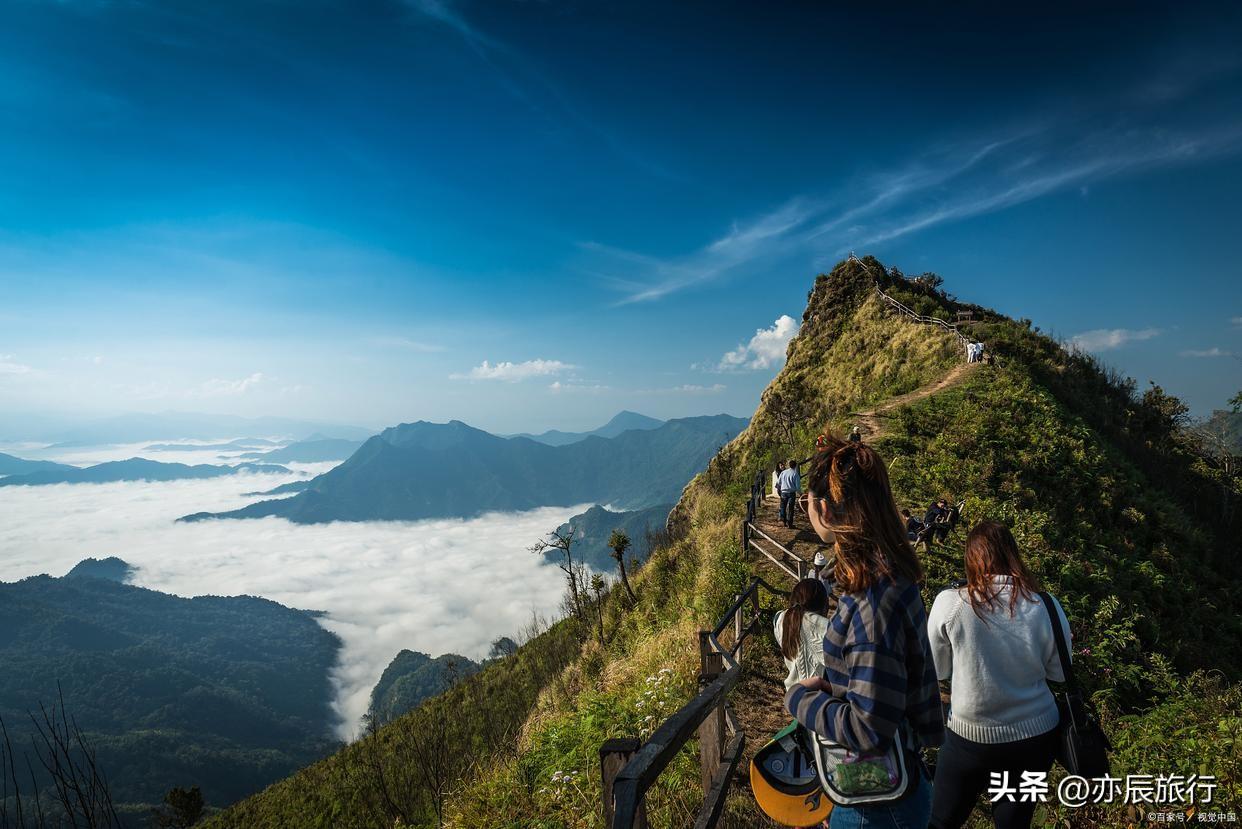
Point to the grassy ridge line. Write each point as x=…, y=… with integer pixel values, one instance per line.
x=849, y=354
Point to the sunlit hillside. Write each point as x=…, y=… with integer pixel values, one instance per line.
x=1115, y=509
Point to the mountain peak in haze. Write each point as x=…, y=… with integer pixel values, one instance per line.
x=623, y=421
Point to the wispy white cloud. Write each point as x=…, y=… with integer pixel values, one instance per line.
x=1069, y=151
x=1236, y=322
x=765, y=349
x=1107, y=339
x=513, y=372
x=217, y=387
x=527, y=82
x=571, y=386
x=1208, y=352
x=9, y=365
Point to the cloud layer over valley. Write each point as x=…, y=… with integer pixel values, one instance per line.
x=437, y=586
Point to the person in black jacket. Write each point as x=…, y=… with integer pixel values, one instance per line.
x=938, y=517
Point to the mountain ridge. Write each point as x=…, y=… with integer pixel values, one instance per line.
x=428, y=470
x=135, y=469
x=623, y=421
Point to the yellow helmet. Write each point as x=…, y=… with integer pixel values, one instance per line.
x=785, y=783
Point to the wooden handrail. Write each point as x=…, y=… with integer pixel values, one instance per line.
x=633, y=781
x=629, y=785
x=778, y=545
x=917, y=317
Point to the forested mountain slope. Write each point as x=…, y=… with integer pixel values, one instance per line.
x=227, y=693
x=1116, y=509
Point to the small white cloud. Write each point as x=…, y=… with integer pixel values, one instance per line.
x=557, y=387
x=766, y=348
x=217, y=387
x=8, y=365
x=1209, y=352
x=1236, y=322
x=513, y=372
x=1107, y=339
x=97, y=360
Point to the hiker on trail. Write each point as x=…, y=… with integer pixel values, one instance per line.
x=914, y=527
x=855, y=435
x=938, y=515
x=800, y=631
x=878, y=695
x=993, y=640
x=776, y=479
x=789, y=484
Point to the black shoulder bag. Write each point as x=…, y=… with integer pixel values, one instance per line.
x=1082, y=745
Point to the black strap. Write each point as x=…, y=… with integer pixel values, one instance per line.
x=1058, y=633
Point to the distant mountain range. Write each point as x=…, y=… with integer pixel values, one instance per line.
x=228, y=694
x=623, y=422
x=231, y=446
x=166, y=426
x=593, y=528
x=10, y=465
x=309, y=451
x=429, y=470
x=133, y=469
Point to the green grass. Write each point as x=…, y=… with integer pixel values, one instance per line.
x=1114, y=509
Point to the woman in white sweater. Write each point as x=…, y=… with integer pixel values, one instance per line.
x=800, y=631
x=993, y=640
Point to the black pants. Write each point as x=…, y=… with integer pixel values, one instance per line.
x=787, y=508
x=963, y=770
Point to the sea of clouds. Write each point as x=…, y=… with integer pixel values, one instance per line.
x=436, y=586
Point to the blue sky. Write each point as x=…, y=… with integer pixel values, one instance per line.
x=530, y=215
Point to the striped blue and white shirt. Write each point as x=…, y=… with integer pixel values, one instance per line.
x=878, y=662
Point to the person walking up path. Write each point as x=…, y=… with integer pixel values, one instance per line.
x=790, y=484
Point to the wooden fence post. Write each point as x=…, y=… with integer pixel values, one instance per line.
x=613, y=755
x=737, y=629
x=712, y=729
x=754, y=607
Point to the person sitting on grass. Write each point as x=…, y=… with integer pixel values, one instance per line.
x=937, y=517
x=800, y=631
x=914, y=527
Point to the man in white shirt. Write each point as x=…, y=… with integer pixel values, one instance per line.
x=789, y=484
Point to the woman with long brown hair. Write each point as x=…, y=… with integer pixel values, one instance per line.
x=993, y=640
x=800, y=631
x=879, y=686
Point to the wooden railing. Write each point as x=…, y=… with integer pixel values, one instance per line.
x=628, y=768
x=917, y=317
x=756, y=539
